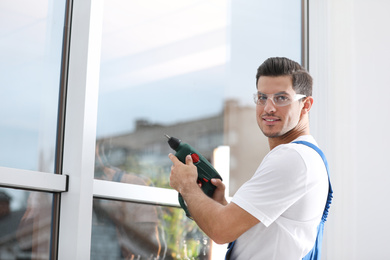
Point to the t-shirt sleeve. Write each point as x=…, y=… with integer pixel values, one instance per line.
x=279, y=182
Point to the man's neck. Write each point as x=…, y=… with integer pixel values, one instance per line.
x=288, y=137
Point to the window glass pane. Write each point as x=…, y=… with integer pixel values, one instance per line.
x=31, y=35
x=25, y=224
x=186, y=69
x=124, y=230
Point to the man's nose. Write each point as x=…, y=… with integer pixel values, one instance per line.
x=269, y=106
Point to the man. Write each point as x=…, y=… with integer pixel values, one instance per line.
x=275, y=214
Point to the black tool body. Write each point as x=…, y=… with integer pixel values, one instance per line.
x=206, y=171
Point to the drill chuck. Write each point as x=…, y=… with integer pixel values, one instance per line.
x=173, y=142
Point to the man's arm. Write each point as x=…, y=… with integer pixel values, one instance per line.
x=221, y=221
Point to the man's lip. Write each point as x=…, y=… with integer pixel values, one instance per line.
x=270, y=120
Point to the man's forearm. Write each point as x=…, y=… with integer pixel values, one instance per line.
x=208, y=214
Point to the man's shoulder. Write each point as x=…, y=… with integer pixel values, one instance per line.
x=284, y=157
x=298, y=153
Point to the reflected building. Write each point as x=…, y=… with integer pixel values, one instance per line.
x=146, y=147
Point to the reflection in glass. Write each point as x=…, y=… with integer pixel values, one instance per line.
x=141, y=157
x=124, y=230
x=162, y=64
x=25, y=224
x=31, y=34
x=187, y=69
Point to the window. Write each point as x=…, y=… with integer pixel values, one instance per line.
x=185, y=69
x=31, y=51
x=90, y=88
x=31, y=42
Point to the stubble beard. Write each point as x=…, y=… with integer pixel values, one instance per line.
x=271, y=135
x=277, y=134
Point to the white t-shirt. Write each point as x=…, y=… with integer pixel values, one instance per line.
x=287, y=194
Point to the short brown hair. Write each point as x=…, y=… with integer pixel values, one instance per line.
x=280, y=66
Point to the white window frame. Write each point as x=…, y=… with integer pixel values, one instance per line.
x=33, y=180
x=80, y=139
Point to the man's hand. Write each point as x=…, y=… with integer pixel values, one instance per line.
x=183, y=176
x=219, y=193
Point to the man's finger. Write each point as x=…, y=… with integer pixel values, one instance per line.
x=174, y=159
x=189, y=159
x=218, y=183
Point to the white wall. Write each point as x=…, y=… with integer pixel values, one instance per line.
x=349, y=58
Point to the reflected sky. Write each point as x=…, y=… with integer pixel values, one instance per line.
x=168, y=63
x=165, y=62
x=30, y=65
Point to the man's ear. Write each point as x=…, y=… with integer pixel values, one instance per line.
x=307, y=104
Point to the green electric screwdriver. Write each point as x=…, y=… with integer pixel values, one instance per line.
x=206, y=171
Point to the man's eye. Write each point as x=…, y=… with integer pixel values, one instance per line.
x=281, y=99
x=262, y=97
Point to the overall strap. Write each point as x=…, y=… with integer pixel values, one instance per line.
x=330, y=191
x=315, y=252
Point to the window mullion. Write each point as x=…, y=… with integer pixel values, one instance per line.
x=80, y=129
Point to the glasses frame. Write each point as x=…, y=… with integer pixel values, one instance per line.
x=272, y=97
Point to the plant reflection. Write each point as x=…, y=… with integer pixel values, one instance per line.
x=126, y=230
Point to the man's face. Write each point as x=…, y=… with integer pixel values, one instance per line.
x=275, y=121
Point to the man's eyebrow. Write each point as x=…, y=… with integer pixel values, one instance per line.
x=276, y=94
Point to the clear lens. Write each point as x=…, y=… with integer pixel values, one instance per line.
x=279, y=100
